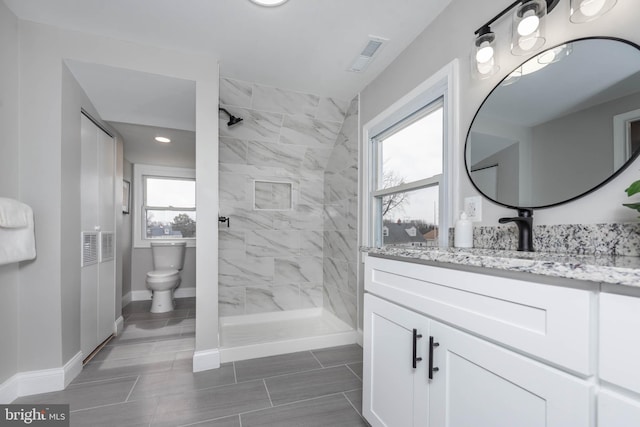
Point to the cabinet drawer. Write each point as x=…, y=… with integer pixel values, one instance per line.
x=549, y=322
x=619, y=344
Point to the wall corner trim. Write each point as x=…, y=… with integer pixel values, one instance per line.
x=118, y=326
x=72, y=368
x=206, y=359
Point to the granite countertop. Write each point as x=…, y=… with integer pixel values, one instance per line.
x=618, y=270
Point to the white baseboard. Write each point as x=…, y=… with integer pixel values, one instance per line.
x=9, y=390
x=206, y=359
x=118, y=326
x=73, y=368
x=252, y=351
x=146, y=294
x=126, y=299
x=360, y=339
x=42, y=381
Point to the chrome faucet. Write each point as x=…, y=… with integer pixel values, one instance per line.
x=524, y=221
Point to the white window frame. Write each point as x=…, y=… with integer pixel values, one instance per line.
x=139, y=220
x=443, y=84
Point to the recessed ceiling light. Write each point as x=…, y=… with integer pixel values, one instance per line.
x=162, y=139
x=269, y=3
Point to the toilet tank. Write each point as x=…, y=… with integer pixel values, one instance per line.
x=168, y=255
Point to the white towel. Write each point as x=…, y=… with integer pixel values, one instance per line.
x=14, y=214
x=17, y=232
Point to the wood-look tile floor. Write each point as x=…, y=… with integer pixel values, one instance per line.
x=143, y=378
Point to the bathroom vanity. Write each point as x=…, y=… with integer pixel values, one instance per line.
x=497, y=338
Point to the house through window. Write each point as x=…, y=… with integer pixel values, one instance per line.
x=170, y=208
x=407, y=174
x=165, y=204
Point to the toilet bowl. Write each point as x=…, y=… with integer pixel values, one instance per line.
x=168, y=260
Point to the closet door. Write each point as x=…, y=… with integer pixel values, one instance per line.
x=89, y=238
x=106, y=219
x=98, y=236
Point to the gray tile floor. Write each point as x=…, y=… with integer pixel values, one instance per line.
x=143, y=378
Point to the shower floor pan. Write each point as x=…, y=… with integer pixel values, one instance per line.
x=269, y=334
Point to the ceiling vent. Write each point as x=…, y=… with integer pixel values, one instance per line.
x=366, y=56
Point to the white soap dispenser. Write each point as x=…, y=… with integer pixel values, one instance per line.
x=463, y=235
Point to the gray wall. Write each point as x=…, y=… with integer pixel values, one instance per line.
x=450, y=37
x=583, y=138
x=74, y=99
x=38, y=136
x=340, y=255
x=271, y=260
x=126, y=239
x=9, y=155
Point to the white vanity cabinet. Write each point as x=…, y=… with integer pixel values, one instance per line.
x=619, y=361
x=396, y=364
x=492, y=340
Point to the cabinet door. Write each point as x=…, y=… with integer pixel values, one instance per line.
x=482, y=384
x=615, y=410
x=395, y=394
x=619, y=344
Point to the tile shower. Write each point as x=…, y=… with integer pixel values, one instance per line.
x=288, y=182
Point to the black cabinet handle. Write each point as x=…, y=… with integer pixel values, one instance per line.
x=432, y=345
x=415, y=358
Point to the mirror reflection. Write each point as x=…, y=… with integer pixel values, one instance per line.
x=559, y=126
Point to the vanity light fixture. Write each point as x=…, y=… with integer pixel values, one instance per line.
x=269, y=3
x=528, y=27
x=527, y=30
x=588, y=10
x=484, y=59
x=162, y=140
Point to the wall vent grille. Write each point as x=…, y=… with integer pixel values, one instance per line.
x=89, y=248
x=366, y=55
x=106, y=246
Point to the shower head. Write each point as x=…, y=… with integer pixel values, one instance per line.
x=233, y=120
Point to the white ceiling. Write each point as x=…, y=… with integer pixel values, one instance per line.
x=129, y=96
x=140, y=146
x=304, y=45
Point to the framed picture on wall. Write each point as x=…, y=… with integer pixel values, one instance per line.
x=126, y=196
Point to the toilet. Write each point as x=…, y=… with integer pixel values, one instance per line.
x=168, y=260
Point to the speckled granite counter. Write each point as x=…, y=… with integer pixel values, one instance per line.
x=618, y=270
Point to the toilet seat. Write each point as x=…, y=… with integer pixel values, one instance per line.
x=162, y=275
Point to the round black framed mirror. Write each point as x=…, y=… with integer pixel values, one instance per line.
x=558, y=127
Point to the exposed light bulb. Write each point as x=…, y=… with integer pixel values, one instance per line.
x=485, y=53
x=529, y=24
x=162, y=139
x=269, y=3
x=591, y=7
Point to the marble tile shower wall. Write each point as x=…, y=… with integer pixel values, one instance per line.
x=340, y=222
x=272, y=260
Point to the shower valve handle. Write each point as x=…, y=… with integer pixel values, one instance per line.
x=225, y=219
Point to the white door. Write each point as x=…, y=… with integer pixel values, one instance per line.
x=97, y=276
x=481, y=384
x=89, y=222
x=395, y=393
x=106, y=219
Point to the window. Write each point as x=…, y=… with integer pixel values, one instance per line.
x=409, y=156
x=408, y=170
x=166, y=204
